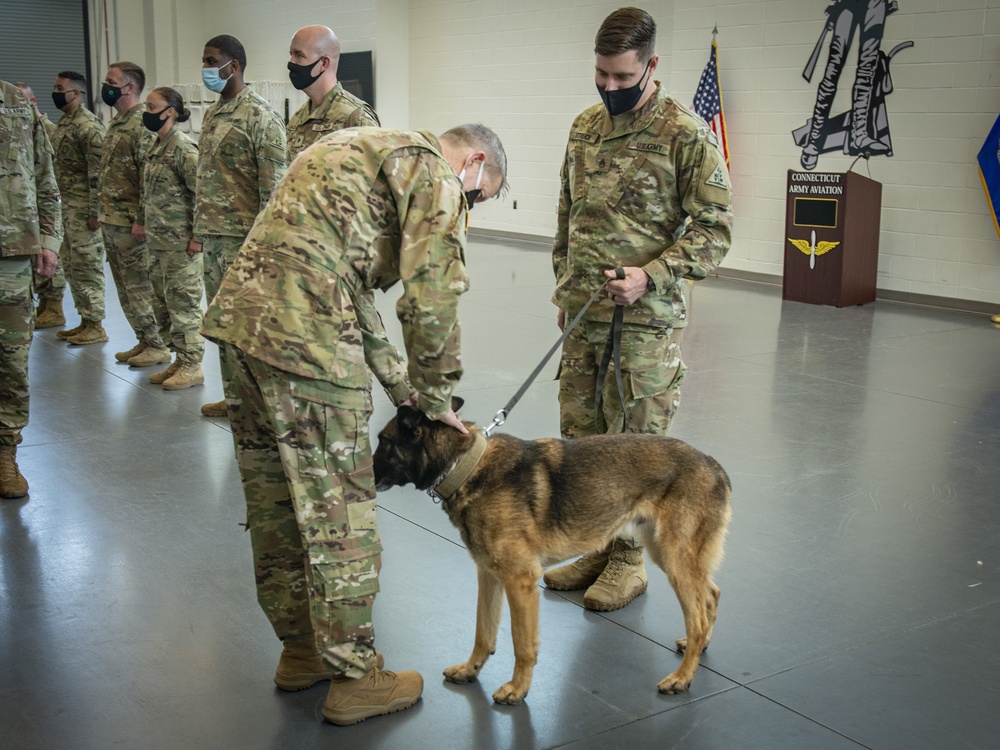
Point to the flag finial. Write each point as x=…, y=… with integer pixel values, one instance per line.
x=715, y=32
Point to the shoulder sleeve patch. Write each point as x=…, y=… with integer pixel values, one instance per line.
x=718, y=178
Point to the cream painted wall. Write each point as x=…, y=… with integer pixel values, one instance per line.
x=525, y=67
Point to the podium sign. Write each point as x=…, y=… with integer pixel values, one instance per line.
x=831, y=238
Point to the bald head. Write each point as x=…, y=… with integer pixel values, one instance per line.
x=316, y=41
x=313, y=58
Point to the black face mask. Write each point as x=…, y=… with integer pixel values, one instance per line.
x=152, y=120
x=110, y=94
x=623, y=100
x=59, y=99
x=301, y=75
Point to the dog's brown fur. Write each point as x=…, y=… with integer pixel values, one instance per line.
x=531, y=503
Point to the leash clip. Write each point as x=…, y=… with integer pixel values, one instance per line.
x=498, y=419
x=435, y=496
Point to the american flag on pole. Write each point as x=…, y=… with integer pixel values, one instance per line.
x=708, y=101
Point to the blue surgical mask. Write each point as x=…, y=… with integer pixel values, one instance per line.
x=471, y=195
x=213, y=82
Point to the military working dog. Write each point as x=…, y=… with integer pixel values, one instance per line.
x=524, y=504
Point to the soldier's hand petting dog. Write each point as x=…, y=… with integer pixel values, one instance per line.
x=450, y=418
x=628, y=290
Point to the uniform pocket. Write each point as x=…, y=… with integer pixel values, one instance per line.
x=349, y=580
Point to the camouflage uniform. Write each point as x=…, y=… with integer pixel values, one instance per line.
x=628, y=185
x=78, y=143
x=299, y=398
x=30, y=219
x=339, y=110
x=168, y=191
x=241, y=159
x=120, y=186
x=54, y=288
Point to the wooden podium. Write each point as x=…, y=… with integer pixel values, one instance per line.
x=831, y=238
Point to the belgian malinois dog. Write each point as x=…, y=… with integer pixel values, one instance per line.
x=524, y=504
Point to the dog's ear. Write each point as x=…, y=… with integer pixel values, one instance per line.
x=457, y=403
x=408, y=419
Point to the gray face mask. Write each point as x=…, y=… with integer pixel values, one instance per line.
x=622, y=100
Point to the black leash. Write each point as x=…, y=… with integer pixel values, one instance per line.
x=613, y=346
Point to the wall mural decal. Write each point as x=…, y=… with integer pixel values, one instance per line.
x=863, y=130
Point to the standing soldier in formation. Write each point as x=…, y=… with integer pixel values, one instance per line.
x=121, y=213
x=30, y=233
x=315, y=55
x=241, y=159
x=78, y=143
x=50, y=292
x=636, y=168
x=358, y=211
x=175, y=269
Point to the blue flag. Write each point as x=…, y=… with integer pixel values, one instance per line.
x=989, y=170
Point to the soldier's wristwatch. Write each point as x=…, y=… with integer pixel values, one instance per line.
x=650, y=284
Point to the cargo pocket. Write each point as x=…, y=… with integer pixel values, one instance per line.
x=348, y=580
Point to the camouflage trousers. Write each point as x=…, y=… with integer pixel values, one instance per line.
x=652, y=374
x=82, y=255
x=217, y=254
x=129, y=261
x=17, y=323
x=306, y=465
x=177, y=290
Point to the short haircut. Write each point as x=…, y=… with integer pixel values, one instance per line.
x=627, y=29
x=76, y=80
x=172, y=98
x=132, y=73
x=231, y=47
x=481, y=138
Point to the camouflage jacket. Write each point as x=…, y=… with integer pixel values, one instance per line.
x=78, y=143
x=241, y=158
x=339, y=110
x=50, y=128
x=119, y=182
x=628, y=185
x=360, y=210
x=168, y=186
x=30, y=213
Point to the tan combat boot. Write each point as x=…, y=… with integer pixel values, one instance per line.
x=12, y=481
x=67, y=333
x=189, y=374
x=580, y=574
x=377, y=693
x=92, y=332
x=622, y=580
x=301, y=666
x=158, y=378
x=50, y=314
x=151, y=355
x=215, y=409
x=126, y=355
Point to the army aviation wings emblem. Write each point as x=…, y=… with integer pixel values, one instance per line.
x=812, y=248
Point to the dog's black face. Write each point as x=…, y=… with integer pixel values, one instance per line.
x=410, y=449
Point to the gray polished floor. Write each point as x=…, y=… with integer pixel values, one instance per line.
x=861, y=595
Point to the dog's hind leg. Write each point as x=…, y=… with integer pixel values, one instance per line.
x=488, y=611
x=522, y=596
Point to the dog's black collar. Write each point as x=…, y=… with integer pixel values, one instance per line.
x=463, y=468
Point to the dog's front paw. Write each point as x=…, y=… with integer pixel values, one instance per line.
x=509, y=695
x=461, y=673
x=674, y=683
